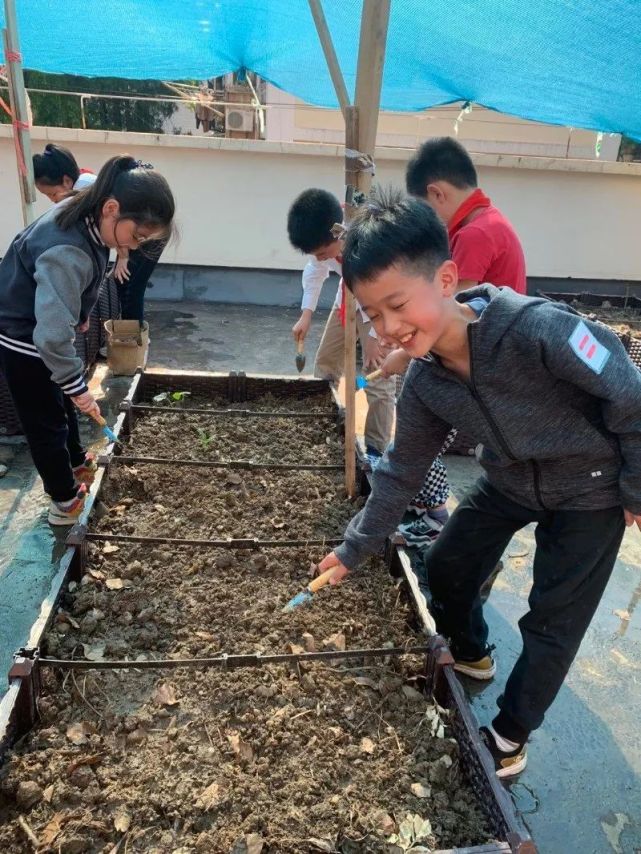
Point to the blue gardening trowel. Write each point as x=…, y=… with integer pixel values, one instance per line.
x=109, y=433
x=307, y=594
x=363, y=382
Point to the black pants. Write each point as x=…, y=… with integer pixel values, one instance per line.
x=132, y=293
x=575, y=554
x=48, y=418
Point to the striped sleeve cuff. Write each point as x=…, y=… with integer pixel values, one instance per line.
x=74, y=386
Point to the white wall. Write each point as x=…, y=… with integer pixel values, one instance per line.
x=575, y=218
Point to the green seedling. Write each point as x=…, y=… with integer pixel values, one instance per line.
x=205, y=439
x=171, y=398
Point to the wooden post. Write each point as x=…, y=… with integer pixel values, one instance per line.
x=361, y=122
x=18, y=101
x=369, y=76
x=349, y=370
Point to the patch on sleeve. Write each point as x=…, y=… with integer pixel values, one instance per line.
x=588, y=349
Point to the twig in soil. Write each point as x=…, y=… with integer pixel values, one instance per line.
x=300, y=714
x=208, y=735
x=82, y=696
x=28, y=832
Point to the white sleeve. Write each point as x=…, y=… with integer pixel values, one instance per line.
x=314, y=275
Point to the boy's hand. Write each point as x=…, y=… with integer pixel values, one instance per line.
x=373, y=354
x=396, y=363
x=630, y=519
x=121, y=270
x=327, y=563
x=301, y=327
x=86, y=403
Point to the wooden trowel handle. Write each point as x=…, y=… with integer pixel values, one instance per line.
x=321, y=580
x=374, y=375
x=300, y=345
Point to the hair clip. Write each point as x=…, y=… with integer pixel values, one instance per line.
x=338, y=231
x=141, y=165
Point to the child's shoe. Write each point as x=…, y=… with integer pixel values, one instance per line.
x=507, y=763
x=481, y=669
x=86, y=471
x=68, y=512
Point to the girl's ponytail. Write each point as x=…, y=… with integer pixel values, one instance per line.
x=142, y=193
x=53, y=165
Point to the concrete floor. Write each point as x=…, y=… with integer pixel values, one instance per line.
x=581, y=791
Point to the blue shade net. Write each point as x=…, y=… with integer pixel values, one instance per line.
x=568, y=62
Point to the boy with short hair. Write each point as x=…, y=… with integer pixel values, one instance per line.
x=309, y=225
x=555, y=402
x=483, y=243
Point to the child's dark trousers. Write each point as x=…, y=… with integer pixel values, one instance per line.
x=575, y=554
x=48, y=418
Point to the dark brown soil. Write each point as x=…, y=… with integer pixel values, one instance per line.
x=199, y=761
x=200, y=602
x=161, y=500
x=344, y=757
x=262, y=403
x=260, y=440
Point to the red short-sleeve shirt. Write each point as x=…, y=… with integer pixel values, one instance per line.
x=487, y=249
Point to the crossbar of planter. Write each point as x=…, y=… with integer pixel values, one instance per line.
x=79, y=535
x=234, y=413
x=228, y=662
x=230, y=464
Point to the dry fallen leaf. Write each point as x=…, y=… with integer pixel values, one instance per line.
x=48, y=794
x=78, y=733
x=412, y=694
x=94, y=651
x=278, y=523
x=335, y=641
x=240, y=747
x=366, y=682
x=165, y=695
x=210, y=798
x=322, y=844
x=367, y=745
x=207, y=636
x=93, y=759
x=52, y=829
x=622, y=615
x=97, y=574
x=122, y=820
x=118, y=583
x=110, y=548
x=420, y=790
x=250, y=844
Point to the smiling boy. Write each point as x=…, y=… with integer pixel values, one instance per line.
x=556, y=404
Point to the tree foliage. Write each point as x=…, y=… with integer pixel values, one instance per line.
x=100, y=113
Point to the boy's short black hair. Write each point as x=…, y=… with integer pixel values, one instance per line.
x=392, y=229
x=310, y=220
x=440, y=159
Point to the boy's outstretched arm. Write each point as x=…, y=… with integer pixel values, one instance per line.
x=419, y=437
x=592, y=357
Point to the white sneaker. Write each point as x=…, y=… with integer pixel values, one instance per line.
x=67, y=512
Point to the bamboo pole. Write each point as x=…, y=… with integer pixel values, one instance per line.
x=330, y=54
x=18, y=101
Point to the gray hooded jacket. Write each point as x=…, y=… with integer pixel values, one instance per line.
x=553, y=399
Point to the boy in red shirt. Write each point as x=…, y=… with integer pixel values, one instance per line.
x=484, y=246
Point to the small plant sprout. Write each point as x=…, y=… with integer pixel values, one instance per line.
x=204, y=438
x=170, y=398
